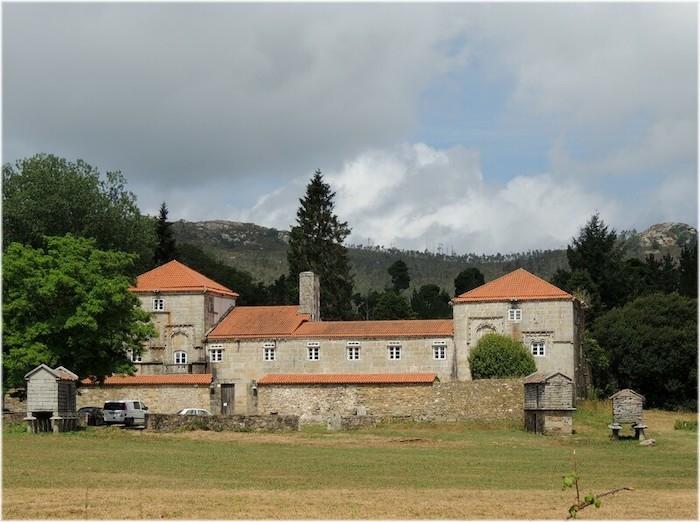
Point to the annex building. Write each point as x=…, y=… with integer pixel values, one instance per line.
x=211, y=353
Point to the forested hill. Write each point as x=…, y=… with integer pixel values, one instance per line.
x=262, y=252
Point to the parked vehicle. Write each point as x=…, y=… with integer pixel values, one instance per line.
x=95, y=416
x=127, y=411
x=201, y=412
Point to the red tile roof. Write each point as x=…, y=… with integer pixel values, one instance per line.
x=347, y=378
x=381, y=329
x=249, y=322
x=182, y=378
x=173, y=276
x=518, y=285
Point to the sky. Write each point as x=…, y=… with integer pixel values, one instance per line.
x=468, y=127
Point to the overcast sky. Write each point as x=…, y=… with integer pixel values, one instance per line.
x=483, y=128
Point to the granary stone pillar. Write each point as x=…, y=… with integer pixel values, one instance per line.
x=310, y=295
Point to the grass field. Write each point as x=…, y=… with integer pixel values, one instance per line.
x=461, y=470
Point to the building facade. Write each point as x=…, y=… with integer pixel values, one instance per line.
x=201, y=330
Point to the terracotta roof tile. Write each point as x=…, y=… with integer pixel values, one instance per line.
x=518, y=285
x=347, y=378
x=370, y=329
x=181, y=378
x=173, y=276
x=258, y=322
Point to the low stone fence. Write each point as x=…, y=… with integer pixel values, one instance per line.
x=274, y=423
x=480, y=400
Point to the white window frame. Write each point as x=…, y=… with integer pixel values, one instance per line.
x=439, y=350
x=216, y=353
x=515, y=315
x=352, y=351
x=158, y=304
x=393, y=350
x=313, y=351
x=137, y=358
x=182, y=356
x=269, y=352
x=540, y=344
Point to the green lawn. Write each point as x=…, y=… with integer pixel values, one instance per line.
x=461, y=470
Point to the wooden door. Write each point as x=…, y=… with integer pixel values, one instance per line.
x=227, y=396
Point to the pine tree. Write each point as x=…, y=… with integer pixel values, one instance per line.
x=316, y=244
x=165, y=246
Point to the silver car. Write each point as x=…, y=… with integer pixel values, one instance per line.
x=127, y=411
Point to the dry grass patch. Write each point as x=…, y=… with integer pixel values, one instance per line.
x=334, y=503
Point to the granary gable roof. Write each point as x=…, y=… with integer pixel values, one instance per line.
x=519, y=285
x=257, y=322
x=182, y=378
x=59, y=373
x=627, y=391
x=173, y=277
x=348, y=378
x=537, y=378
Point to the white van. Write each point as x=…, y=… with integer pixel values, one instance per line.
x=127, y=411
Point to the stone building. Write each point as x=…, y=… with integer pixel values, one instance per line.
x=51, y=399
x=201, y=330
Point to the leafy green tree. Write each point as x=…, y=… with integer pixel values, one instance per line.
x=45, y=195
x=688, y=277
x=651, y=344
x=431, y=302
x=316, y=244
x=365, y=305
x=392, y=305
x=400, y=280
x=599, y=362
x=67, y=303
x=468, y=279
x=500, y=356
x=165, y=240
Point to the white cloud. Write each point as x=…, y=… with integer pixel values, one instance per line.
x=415, y=196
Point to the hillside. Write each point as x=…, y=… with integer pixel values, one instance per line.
x=263, y=252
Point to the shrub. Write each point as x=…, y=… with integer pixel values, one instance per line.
x=498, y=356
x=686, y=425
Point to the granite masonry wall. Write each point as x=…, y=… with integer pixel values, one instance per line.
x=488, y=399
x=160, y=422
x=159, y=398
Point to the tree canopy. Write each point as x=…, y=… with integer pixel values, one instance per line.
x=400, y=280
x=468, y=279
x=67, y=303
x=431, y=302
x=316, y=244
x=651, y=346
x=45, y=195
x=500, y=356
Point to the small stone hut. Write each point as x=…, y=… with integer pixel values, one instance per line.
x=549, y=403
x=627, y=408
x=51, y=399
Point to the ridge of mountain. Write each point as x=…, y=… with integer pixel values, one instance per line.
x=262, y=251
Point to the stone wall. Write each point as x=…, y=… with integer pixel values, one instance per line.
x=159, y=398
x=159, y=422
x=489, y=399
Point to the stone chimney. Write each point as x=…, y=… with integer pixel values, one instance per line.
x=310, y=295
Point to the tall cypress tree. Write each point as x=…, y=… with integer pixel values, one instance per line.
x=316, y=244
x=165, y=246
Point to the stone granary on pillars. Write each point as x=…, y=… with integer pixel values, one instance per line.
x=549, y=403
x=627, y=408
x=51, y=400
x=202, y=330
